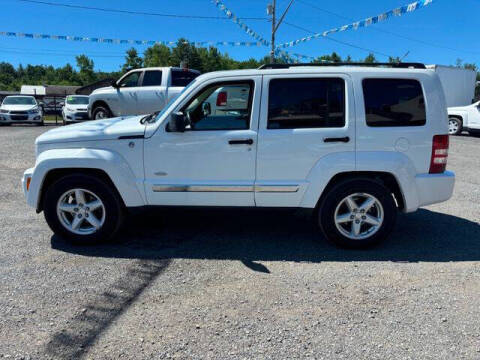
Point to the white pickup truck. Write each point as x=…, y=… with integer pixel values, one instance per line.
x=139, y=91
x=354, y=145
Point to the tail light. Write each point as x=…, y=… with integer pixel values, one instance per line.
x=438, y=162
x=222, y=98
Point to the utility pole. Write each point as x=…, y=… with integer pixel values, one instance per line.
x=271, y=10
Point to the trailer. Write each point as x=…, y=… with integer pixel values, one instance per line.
x=458, y=84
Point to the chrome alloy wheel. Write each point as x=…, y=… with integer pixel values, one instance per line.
x=359, y=216
x=81, y=212
x=453, y=126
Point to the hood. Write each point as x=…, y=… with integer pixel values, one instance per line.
x=102, y=90
x=107, y=129
x=18, y=107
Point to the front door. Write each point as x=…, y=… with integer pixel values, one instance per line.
x=127, y=93
x=212, y=163
x=305, y=119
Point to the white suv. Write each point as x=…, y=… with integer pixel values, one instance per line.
x=352, y=144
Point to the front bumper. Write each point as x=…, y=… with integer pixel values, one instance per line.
x=434, y=188
x=76, y=116
x=20, y=118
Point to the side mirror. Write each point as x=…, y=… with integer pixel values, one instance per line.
x=114, y=84
x=206, y=108
x=176, y=122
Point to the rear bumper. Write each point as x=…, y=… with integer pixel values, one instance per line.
x=434, y=188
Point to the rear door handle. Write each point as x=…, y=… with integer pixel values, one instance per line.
x=341, y=139
x=241, y=142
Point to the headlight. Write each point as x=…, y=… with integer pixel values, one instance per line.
x=34, y=110
x=69, y=109
x=4, y=111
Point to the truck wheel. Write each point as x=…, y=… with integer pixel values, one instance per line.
x=357, y=213
x=83, y=209
x=101, y=112
x=454, y=126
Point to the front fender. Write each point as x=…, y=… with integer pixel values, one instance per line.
x=112, y=163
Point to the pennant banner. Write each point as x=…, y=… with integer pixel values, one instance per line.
x=363, y=23
x=131, y=42
x=240, y=23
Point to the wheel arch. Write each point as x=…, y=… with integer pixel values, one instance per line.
x=98, y=103
x=385, y=178
x=56, y=174
x=105, y=164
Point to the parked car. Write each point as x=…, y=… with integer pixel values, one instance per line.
x=139, y=91
x=21, y=110
x=464, y=118
x=353, y=145
x=75, y=109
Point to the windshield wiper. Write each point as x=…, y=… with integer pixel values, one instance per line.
x=149, y=117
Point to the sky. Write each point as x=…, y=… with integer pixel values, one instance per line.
x=440, y=33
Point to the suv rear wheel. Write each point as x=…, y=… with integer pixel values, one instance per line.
x=357, y=213
x=83, y=209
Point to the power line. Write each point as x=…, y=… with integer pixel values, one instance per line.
x=338, y=41
x=131, y=12
x=386, y=31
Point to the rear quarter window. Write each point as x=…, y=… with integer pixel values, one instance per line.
x=183, y=77
x=394, y=102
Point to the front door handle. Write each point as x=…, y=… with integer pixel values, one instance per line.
x=241, y=142
x=345, y=139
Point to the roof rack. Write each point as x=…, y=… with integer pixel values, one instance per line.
x=401, y=65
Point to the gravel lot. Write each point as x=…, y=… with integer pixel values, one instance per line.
x=237, y=284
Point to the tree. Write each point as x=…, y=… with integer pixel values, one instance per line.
x=86, y=73
x=157, y=55
x=370, y=59
x=132, y=60
x=185, y=53
x=333, y=57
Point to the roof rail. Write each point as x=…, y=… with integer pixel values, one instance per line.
x=398, y=65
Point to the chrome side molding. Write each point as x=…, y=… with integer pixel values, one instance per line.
x=227, y=188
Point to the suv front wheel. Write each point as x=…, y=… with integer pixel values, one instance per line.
x=83, y=209
x=357, y=213
x=101, y=112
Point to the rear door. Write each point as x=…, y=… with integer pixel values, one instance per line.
x=152, y=92
x=304, y=118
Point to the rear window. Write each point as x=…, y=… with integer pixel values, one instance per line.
x=306, y=103
x=394, y=102
x=182, y=77
x=152, y=78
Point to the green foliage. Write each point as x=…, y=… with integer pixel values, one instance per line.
x=132, y=60
x=203, y=59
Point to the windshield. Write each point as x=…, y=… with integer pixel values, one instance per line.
x=19, y=100
x=77, y=100
x=161, y=113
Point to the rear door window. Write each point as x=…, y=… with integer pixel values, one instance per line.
x=306, y=103
x=152, y=78
x=182, y=78
x=394, y=102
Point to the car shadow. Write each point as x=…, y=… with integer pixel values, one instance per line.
x=262, y=235
x=154, y=239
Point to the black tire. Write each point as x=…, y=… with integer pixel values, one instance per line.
x=114, y=212
x=334, y=198
x=101, y=109
x=458, y=128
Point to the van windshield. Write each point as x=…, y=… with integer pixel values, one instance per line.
x=19, y=100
